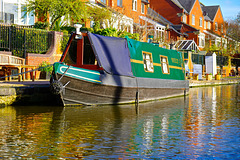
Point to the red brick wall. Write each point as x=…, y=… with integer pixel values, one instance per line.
x=53, y=55
x=220, y=21
x=167, y=9
x=127, y=9
x=197, y=12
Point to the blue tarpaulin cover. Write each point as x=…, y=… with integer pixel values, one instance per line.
x=112, y=54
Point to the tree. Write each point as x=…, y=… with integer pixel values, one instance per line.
x=233, y=28
x=233, y=31
x=57, y=9
x=98, y=15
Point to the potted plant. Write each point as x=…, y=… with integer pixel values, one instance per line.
x=195, y=77
x=46, y=70
x=209, y=77
x=217, y=76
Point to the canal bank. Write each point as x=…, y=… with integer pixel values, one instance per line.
x=26, y=93
x=38, y=93
x=204, y=82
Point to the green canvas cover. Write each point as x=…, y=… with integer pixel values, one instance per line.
x=175, y=61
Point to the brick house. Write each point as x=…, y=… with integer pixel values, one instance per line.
x=214, y=25
x=171, y=32
x=126, y=14
x=194, y=17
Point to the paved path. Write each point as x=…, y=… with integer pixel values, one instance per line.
x=25, y=83
x=223, y=81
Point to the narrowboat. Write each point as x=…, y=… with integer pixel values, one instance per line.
x=100, y=70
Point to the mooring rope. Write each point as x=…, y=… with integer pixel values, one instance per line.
x=39, y=68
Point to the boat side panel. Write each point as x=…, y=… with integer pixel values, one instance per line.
x=174, y=59
x=124, y=81
x=88, y=93
x=79, y=73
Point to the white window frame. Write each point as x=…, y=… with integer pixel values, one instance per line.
x=164, y=64
x=159, y=33
x=216, y=26
x=193, y=19
x=119, y=3
x=148, y=62
x=217, y=41
x=200, y=22
x=201, y=40
x=205, y=24
x=209, y=25
x=134, y=5
x=142, y=8
x=222, y=28
x=184, y=18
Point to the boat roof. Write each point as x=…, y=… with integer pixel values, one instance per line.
x=112, y=54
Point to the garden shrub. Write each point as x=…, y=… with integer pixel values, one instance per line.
x=41, y=25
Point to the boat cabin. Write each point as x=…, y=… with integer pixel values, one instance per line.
x=79, y=53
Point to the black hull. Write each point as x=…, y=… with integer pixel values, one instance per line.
x=79, y=92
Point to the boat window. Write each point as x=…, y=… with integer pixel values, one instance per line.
x=71, y=56
x=88, y=57
x=164, y=63
x=148, y=62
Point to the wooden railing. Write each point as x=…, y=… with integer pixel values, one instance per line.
x=11, y=60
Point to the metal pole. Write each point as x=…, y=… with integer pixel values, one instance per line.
x=9, y=38
x=24, y=54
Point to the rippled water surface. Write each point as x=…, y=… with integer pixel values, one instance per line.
x=205, y=125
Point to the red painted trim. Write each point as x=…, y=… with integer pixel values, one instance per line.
x=67, y=47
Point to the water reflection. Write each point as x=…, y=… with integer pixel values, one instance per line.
x=204, y=125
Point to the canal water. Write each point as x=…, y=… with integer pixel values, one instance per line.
x=204, y=125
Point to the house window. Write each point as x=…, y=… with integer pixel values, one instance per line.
x=193, y=19
x=209, y=25
x=119, y=3
x=222, y=28
x=148, y=62
x=200, y=22
x=142, y=8
x=159, y=34
x=164, y=63
x=216, y=26
x=201, y=40
x=184, y=18
x=205, y=24
x=134, y=4
x=103, y=1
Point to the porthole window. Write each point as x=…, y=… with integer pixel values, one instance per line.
x=148, y=62
x=164, y=63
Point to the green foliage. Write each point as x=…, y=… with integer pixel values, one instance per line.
x=123, y=34
x=31, y=39
x=56, y=9
x=112, y=32
x=64, y=40
x=69, y=29
x=213, y=48
x=57, y=25
x=98, y=14
x=46, y=67
x=41, y=25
